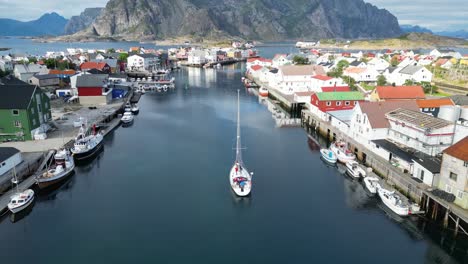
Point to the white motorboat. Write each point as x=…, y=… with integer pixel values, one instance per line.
x=263, y=92
x=128, y=108
x=86, y=146
x=394, y=202
x=372, y=184
x=20, y=200
x=127, y=118
x=328, y=155
x=354, y=170
x=63, y=167
x=135, y=109
x=342, y=152
x=239, y=177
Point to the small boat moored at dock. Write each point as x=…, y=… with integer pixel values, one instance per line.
x=354, y=170
x=342, y=152
x=135, y=109
x=394, y=202
x=20, y=200
x=63, y=167
x=263, y=92
x=328, y=155
x=372, y=184
x=127, y=118
x=86, y=146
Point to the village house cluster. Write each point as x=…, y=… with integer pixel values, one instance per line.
x=395, y=118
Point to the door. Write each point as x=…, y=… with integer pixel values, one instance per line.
x=39, y=108
x=390, y=156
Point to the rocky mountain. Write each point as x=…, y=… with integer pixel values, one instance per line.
x=248, y=19
x=84, y=20
x=414, y=29
x=47, y=24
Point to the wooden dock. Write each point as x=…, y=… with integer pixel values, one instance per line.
x=25, y=184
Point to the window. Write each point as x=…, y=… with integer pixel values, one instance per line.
x=421, y=176
x=338, y=103
x=365, y=118
x=17, y=123
x=465, y=163
x=448, y=188
x=453, y=176
x=426, y=109
x=34, y=122
x=460, y=194
x=15, y=112
x=355, y=103
x=47, y=105
x=328, y=103
x=32, y=111
x=432, y=109
x=347, y=103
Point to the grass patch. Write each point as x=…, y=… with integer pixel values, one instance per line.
x=367, y=87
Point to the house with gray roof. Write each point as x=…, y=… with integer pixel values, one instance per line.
x=93, y=89
x=25, y=71
x=412, y=72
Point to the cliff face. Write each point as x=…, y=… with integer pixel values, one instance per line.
x=84, y=20
x=250, y=19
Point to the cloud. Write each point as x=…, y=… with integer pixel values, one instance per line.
x=434, y=14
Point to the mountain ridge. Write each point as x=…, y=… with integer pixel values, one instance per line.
x=47, y=24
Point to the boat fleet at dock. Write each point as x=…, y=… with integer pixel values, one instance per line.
x=338, y=152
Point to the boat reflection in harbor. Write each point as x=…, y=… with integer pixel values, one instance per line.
x=243, y=201
x=87, y=165
x=16, y=217
x=356, y=196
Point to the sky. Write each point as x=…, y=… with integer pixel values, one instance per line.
x=436, y=15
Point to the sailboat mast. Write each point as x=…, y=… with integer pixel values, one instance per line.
x=238, y=141
x=15, y=178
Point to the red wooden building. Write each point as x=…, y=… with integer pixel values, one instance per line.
x=335, y=101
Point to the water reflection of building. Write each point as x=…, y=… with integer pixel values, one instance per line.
x=194, y=76
x=314, y=145
x=210, y=76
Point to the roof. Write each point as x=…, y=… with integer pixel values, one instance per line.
x=11, y=80
x=342, y=115
x=336, y=89
x=459, y=150
x=91, y=80
x=308, y=93
x=410, y=155
x=146, y=55
x=418, y=119
x=45, y=76
x=376, y=111
x=64, y=72
x=355, y=63
x=411, y=69
x=302, y=70
x=391, y=69
x=28, y=68
x=7, y=152
x=338, y=96
x=256, y=67
x=16, y=96
x=459, y=99
x=93, y=65
x=400, y=92
x=322, y=77
x=277, y=56
x=434, y=103
x=111, y=62
x=259, y=59
x=442, y=61
x=355, y=70
x=95, y=71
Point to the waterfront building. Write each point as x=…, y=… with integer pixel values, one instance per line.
x=114, y=66
x=93, y=90
x=432, y=106
x=197, y=57
x=322, y=103
x=259, y=61
x=454, y=172
x=319, y=81
x=280, y=60
x=9, y=158
x=5, y=64
x=419, y=131
x=296, y=78
x=387, y=93
x=142, y=62
x=24, y=111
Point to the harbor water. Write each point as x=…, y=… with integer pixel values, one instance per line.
x=159, y=193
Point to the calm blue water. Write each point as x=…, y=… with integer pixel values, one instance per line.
x=159, y=193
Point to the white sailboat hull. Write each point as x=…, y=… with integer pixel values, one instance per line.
x=245, y=191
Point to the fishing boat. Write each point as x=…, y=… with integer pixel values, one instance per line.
x=20, y=200
x=394, y=202
x=263, y=92
x=328, y=155
x=127, y=118
x=86, y=146
x=135, y=109
x=372, y=184
x=354, y=170
x=63, y=167
x=342, y=152
x=239, y=177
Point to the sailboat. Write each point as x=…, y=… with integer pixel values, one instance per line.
x=20, y=200
x=239, y=177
